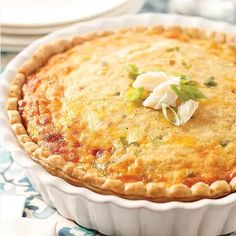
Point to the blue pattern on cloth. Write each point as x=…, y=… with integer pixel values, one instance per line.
x=14, y=181
x=75, y=231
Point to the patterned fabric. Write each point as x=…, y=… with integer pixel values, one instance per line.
x=13, y=181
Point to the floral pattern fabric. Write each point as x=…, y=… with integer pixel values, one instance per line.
x=14, y=181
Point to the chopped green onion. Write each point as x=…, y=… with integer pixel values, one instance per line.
x=184, y=80
x=124, y=142
x=117, y=94
x=186, y=65
x=210, y=82
x=170, y=114
x=135, y=94
x=172, y=49
x=184, y=77
x=193, y=83
x=105, y=63
x=135, y=144
x=187, y=89
x=156, y=139
x=181, y=95
x=133, y=71
x=224, y=143
x=137, y=152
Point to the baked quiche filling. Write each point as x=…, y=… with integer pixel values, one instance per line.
x=82, y=105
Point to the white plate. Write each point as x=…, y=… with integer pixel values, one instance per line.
x=16, y=43
x=11, y=49
x=18, y=40
x=110, y=214
x=130, y=8
x=44, y=12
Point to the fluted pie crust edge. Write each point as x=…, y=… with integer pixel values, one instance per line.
x=56, y=165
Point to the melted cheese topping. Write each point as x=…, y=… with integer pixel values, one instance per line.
x=75, y=105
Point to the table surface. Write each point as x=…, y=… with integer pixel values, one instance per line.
x=14, y=181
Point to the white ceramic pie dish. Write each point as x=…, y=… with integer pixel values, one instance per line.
x=109, y=214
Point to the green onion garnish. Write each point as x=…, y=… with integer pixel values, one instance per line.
x=137, y=152
x=133, y=71
x=124, y=142
x=183, y=77
x=172, y=49
x=210, y=82
x=105, y=63
x=170, y=114
x=135, y=144
x=224, y=143
x=186, y=65
x=156, y=139
x=135, y=94
x=184, y=80
x=187, y=89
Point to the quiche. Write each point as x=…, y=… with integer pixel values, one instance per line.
x=74, y=109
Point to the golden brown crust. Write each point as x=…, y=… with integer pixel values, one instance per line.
x=56, y=165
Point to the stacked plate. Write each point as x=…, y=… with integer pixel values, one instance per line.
x=24, y=21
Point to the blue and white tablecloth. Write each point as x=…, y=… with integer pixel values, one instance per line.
x=14, y=181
